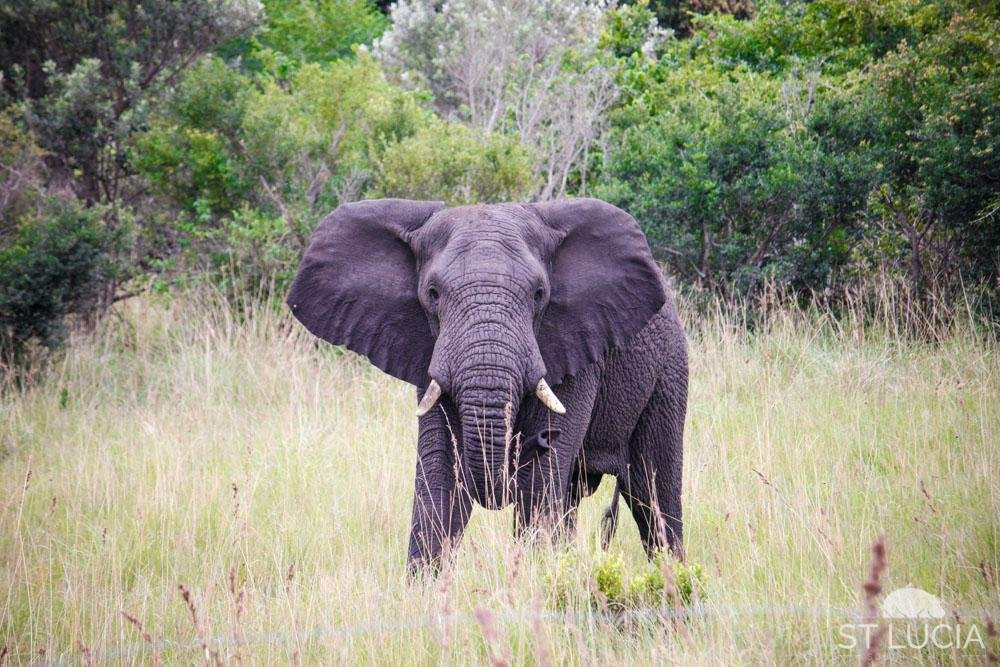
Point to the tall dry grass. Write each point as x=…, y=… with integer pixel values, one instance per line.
x=189, y=485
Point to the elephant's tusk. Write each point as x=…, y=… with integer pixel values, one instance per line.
x=431, y=397
x=546, y=396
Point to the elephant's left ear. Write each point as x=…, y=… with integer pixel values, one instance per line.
x=605, y=285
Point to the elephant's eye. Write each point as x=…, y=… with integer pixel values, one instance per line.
x=432, y=294
x=539, y=295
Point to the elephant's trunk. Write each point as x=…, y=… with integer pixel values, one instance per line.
x=488, y=386
x=487, y=358
x=485, y=450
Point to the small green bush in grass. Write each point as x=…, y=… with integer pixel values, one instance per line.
x=609, y=577
x=661, y=581
x=683, y=587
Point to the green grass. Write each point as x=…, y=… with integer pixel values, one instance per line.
x=179, y=446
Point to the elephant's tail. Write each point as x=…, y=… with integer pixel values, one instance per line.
x=610, y=520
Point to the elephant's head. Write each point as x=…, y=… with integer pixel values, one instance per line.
x=483, y=304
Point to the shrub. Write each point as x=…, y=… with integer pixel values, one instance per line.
x=191, y=153
x=661, y=581
x=304, y=31
x=685, y=585
x=52, y=264
x=249, y=164
x=816, y=145
x=311, y=31
x=609, y=577
x=731, y=185
x=930, y=116
x=456, y=164
x=89, y=72
x=21, y=170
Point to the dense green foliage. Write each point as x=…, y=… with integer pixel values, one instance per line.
x=310, y=31
x=813, y=145
x=54, y=263
x=77, y=82
x=456, y=164
x=54, y=251
x=88, y=72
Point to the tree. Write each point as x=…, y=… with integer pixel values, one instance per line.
x=528, y=68
x=78, y=79
x=307, y=31
x=87, y=72
x=731, y=185
x=53, y=252
x=930, y=116
x=813, y=146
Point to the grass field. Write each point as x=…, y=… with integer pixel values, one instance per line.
x=241, y=494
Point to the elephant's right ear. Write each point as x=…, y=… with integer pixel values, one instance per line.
x=357, y=285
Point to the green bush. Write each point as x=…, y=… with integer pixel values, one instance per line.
x=191, y=151
x=663, y=581
x=731, y=188
x=610, y=579
x=88, y=74
x=684, y=586
x=228, y=140
x=307, y=31
x=815, y=145
x=837, y=35
x=251, y=163
x=455, y=164
x=311, y=31
x=22, y=170
x=52, y=264
x=929, y=115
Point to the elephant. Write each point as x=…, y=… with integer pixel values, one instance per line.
x=545, y=347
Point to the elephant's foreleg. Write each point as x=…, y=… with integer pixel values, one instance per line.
x=544, y=496
x=440, y=513
x=441, y=507
x=545, y=493
x=540, y=499
x=581, y=485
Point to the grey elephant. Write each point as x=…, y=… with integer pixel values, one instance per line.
x=544, y=344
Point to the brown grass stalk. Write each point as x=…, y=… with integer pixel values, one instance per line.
x=872, y=588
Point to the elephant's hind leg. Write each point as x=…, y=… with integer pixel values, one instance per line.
x=609, y=521
x=651, y=484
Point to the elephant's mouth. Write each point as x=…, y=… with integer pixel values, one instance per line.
x=532, y=449
x=491, y=453
x=494, y=490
